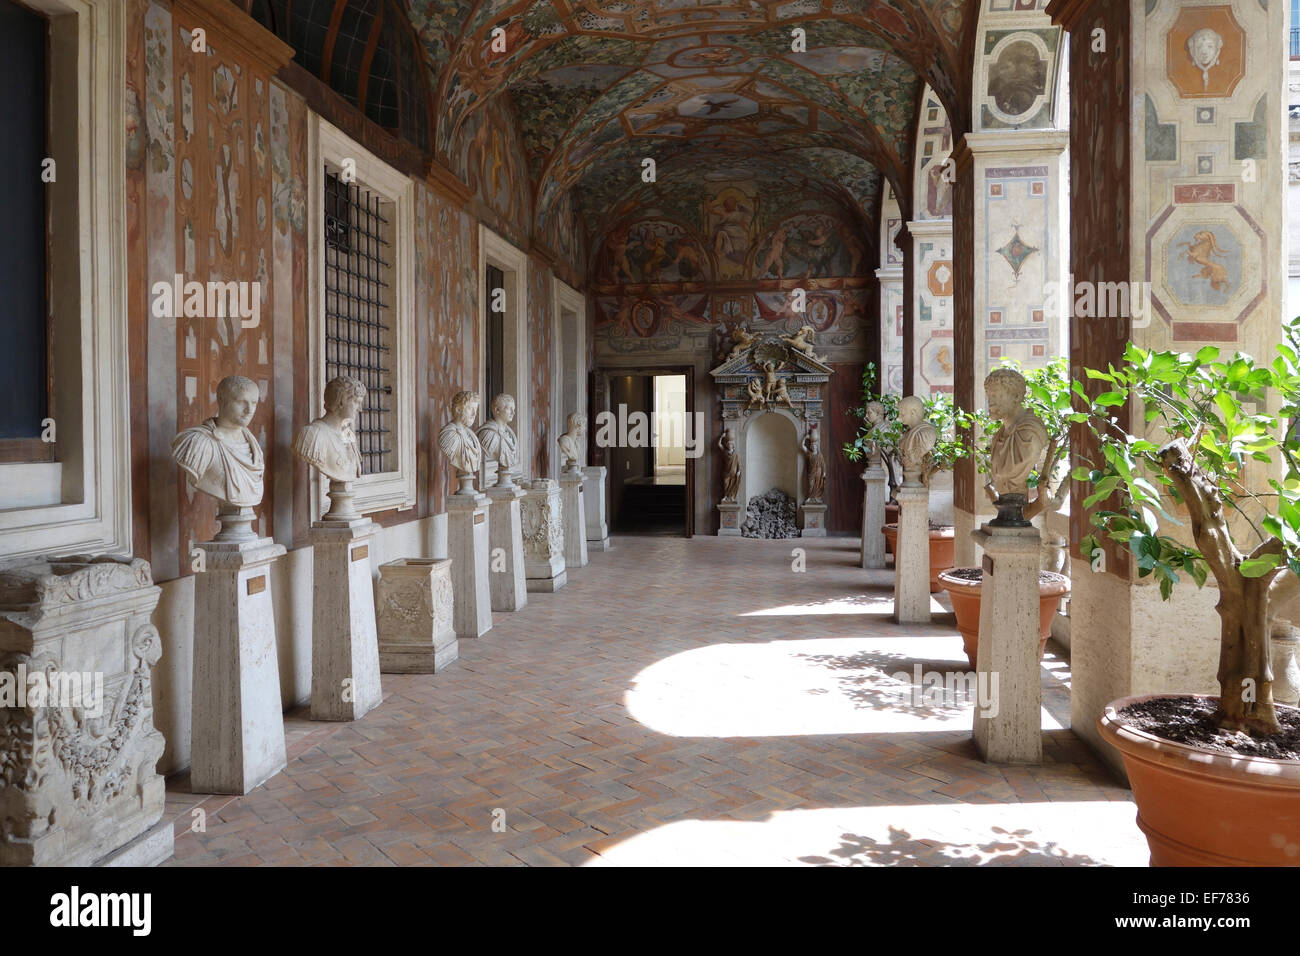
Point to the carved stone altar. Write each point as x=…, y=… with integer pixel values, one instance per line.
x=772, y=389
x=78, y=784
x=414, y=607
x=543, y=534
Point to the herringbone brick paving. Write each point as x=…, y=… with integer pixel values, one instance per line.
x=679, y=702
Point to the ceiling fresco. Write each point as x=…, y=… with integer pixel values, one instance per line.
x=699, y=86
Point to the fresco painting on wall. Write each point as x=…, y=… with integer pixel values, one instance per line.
x=1019, y=78
x=729, y=220
x=1205, y=53
x=1205, y=268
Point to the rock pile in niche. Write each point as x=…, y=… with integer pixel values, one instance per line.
x=770, y=515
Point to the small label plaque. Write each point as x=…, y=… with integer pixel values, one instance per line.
x=257, y=585
x=480, y=518
x=988, y=564
x=361, y=552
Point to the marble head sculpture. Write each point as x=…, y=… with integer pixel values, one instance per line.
x=500, y=444
x=222, y=458
x=1204, y=46
x=918, y=441
x=572, y=441
x=1015, y=448
x=329, y=444
x=458, y=441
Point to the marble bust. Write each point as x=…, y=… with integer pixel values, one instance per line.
x=572, y=442
x=329, y=444
x=1015, y=448
x=918, y=441
x=222, y=458
x=875, y=417
x=458, y=441
x=500, y=444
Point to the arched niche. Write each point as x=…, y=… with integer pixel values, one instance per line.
x=769, y=448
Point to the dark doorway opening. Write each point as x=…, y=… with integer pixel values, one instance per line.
x=651, y=474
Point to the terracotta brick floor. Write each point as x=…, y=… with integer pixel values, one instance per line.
x=679, y=702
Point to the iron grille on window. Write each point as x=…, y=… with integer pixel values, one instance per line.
x=358, y=310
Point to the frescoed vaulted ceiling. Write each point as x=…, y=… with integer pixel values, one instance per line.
x=706, y=88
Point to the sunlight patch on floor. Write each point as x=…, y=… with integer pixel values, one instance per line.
x=1070, y=833
x=862, y=685
x=860, y=604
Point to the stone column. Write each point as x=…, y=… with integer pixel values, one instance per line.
x=344, y=642
x=912, y=555
x=875, y=491
x=1177, y=216
x=1008, y=723
x=574, y=511
x=507, y=583
x=593, y=491
x=543, y=529
x=78, y=778
x=414, y=616
x=467, y=544
x=237, y=721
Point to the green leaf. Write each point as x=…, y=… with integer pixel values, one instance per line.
x=1110, y=399
x=1258, y=567
x=1207, y=354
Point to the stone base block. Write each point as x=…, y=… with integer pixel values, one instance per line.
x=237, y=723
x=874, y=493
x=543, y=533
x=467, y=543
x=593, y=493
x=414, y=616
x=506, y=577
x=812, y=520
x=574, y=513
x=549, y=585
x=912, y=557
x=728, y=519
x=345, y=681
x=153, y=847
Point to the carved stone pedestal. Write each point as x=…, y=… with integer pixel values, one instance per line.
x=237, y=724
x=344, y=643
x=543, y=529
x=574, y=510
x=78, y=785
x=414, y=616
x=912, y=555
x=508, y=585
x=729, y=514
x=812, y=519
x=1009, y=728
x=875, y=491
x=467, y=544
x=593, y=491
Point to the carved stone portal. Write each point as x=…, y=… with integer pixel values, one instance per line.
x=772, y=389
x=78, y=747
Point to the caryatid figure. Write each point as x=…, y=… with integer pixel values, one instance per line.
x=500, y=444
x=458, y=441
x=329, y=444
x=1015, y=449
x=222, y=457
x=731, y=465
x=815, y=465
x=573, y=442
x=918, y=441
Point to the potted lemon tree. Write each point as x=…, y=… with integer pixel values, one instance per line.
x=1216, y=778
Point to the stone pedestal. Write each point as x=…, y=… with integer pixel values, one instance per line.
x=544, y=567
x=237, y=722
x=344, y=643
x=912, y=555
x=414, y=616
x=729, y=513
x=812, y=519
x=875, y=492
x=467, y=543
x=507, y=583
x=1008, y=725
x=593, y=490
x=78, y=784
x=574, y=511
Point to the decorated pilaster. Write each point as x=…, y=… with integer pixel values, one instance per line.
x=1177, y=124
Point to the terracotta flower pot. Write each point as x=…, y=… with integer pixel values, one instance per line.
x=1198, y=807
x=891, y=517
x=965, y=596
x=942, y=542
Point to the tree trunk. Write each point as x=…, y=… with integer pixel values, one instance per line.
x=1245, y=669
